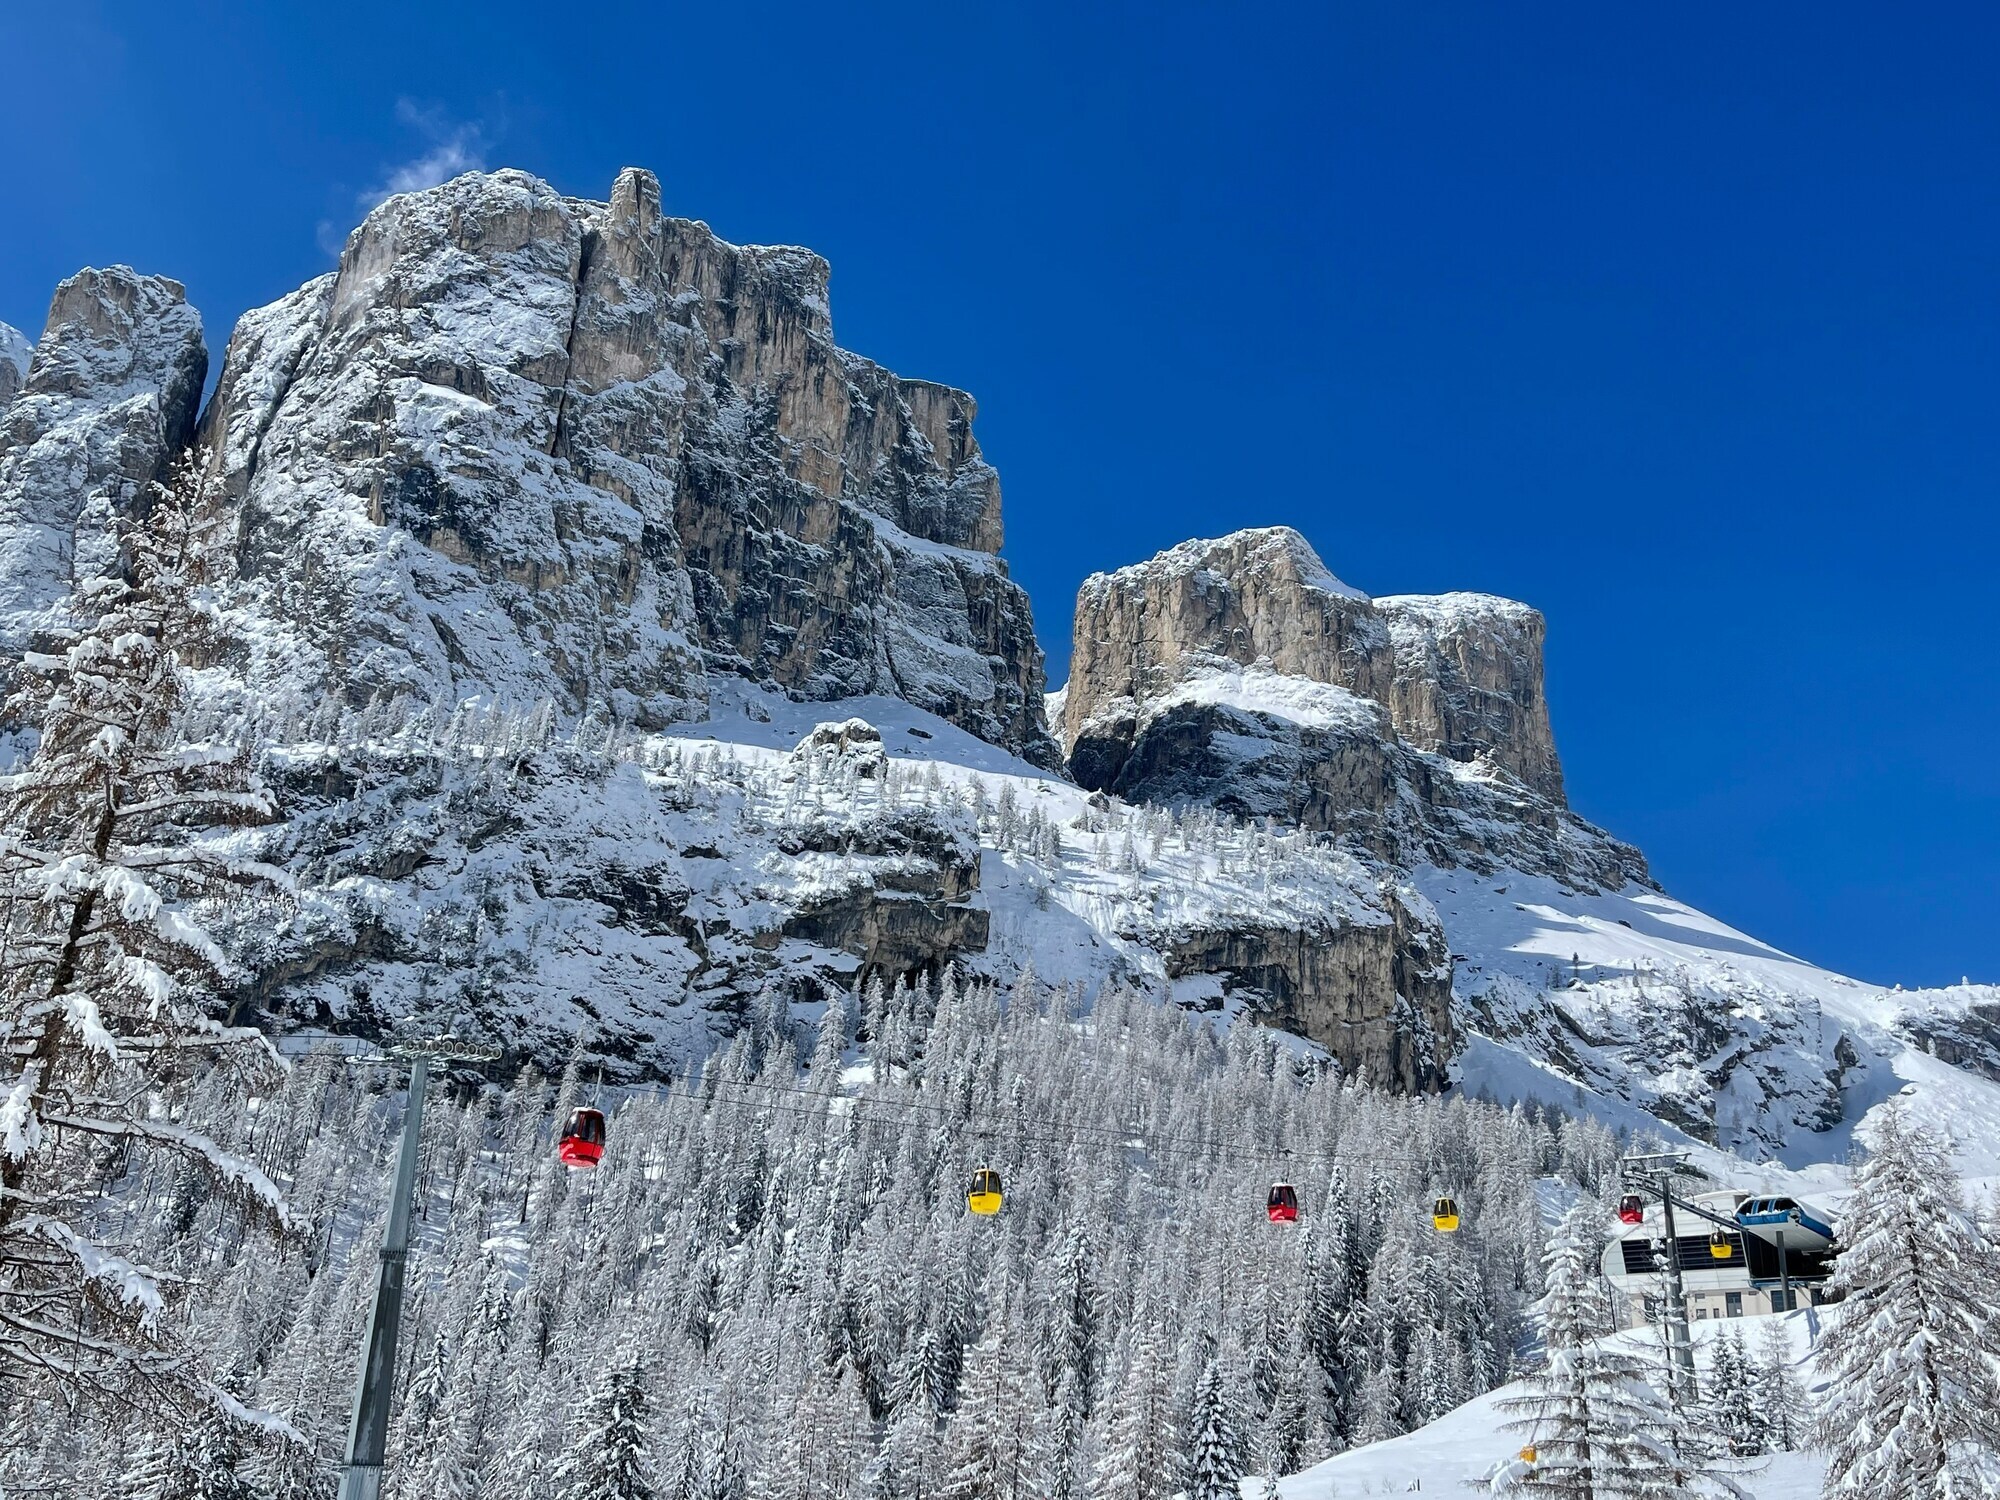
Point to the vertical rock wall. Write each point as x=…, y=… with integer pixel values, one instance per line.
x=524, y=446
x=109, y=400
x=1459, y=674
x=15, y=354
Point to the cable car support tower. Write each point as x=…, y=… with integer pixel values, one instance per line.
x=1655, y=1173
x=374, y=1383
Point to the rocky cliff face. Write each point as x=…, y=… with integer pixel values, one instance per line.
x=527, y=447
x=1468, y=684
x=596, y=468
x=1376, y=995
x=1241, y=673
x=15, y=354
x=110, y=398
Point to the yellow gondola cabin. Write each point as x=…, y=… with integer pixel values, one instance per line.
x=982, y=1196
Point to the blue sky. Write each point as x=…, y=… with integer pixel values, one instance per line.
x=1680, y=325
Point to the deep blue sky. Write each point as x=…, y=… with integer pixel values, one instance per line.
x=1680, y=324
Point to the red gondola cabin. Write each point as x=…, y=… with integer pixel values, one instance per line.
x=582, y=1143
x=1283, y=1205
x=1631, y=1209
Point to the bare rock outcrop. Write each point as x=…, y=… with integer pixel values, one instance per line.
x=1242, y=674
x=1377, y=996
x=532, y=447
x=1253, y=597
x=15, y=355
x=1468, y=683
x=1959, y=1024
x=109, y=399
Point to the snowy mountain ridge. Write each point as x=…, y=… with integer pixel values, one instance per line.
x=561, y=526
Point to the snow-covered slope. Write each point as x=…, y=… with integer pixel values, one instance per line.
x=643, y=891
x=1630, y=1004
x=1457, y=1453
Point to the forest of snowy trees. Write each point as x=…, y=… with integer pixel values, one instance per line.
x=772, y=1276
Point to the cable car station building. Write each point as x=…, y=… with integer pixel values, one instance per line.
x=1724, y=1275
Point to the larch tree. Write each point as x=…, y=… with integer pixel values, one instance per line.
x=294, y=1472
x=115, y=840
x=1138, y=1458
x=1909, y=1363
x=994, y=1448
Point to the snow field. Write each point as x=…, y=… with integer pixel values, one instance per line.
x=1456, y=1453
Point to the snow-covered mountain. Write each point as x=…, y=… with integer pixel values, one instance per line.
x=561, y=525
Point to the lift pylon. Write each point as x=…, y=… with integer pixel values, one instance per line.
x=374, y=1382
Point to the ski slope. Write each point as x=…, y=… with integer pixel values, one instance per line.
x=1455, y=1454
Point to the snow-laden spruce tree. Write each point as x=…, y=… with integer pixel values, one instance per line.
x=1216, y=1462
x=609, y=1457
x=1599, y=1426
x=1736, y=1416
x=110, y=841
x=1779, y=1395
x=1911, y=1361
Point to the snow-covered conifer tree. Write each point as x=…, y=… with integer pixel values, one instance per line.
x=1216, y=1462
x=1733, y=1408
x=1779, y=1395
x=293, y=1471
x=1376, y=1403
x=1137, y=1458
x=110, y=841
x=904, y=1468
x=1600, y=1429
x=203, y=1461
x=1911, y=1377
x=994, y=1447
x=609, y=1457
